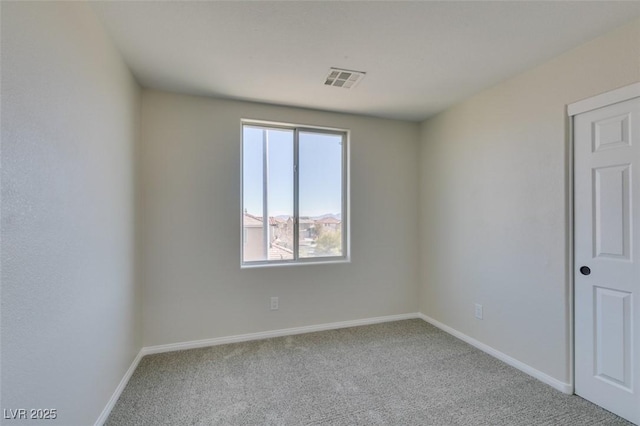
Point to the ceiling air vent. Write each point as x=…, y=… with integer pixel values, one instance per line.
x=343, y=78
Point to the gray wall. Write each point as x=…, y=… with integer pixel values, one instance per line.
x=193, y=285
x=70, y=121
x=494, y=203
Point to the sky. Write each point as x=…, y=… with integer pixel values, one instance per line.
x=320, y=172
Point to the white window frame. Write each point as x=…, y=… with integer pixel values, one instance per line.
x=297, y=129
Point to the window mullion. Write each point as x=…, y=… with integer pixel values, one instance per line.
x=344, y=212
x=296, y=213
x=265, y=193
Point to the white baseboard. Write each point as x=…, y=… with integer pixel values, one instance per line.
x=233, y=339
x=275, y=333
x=116, y=394
x=543, y=377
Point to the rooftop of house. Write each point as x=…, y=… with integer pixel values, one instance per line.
x=251, y=221
x=328, y=220
x=277, y=252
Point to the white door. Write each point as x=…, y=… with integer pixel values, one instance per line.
x=607, y=257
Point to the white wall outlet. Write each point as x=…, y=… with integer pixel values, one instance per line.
x=274, y=303
x=478, y=311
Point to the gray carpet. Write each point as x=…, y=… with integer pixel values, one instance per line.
x=400, y=373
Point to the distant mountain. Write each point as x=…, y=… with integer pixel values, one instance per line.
x=324, y=216
x=335, y=216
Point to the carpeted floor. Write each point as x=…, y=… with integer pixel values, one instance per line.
x=399, y=373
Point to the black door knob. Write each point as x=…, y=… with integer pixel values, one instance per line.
x=584, y=270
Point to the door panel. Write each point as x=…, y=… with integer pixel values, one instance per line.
x=611, y=203
x=607, y=222
x=612, y=336
x=611, y=133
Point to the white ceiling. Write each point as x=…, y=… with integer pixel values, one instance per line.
x=420, y=57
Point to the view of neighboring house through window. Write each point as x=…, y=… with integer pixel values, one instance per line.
x=293, y=194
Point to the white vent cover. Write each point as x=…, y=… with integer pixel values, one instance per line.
x=343, y=78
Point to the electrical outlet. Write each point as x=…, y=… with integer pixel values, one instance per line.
x=274, y=303
x=478, y=311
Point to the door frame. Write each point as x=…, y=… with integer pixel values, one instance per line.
x=621, y=94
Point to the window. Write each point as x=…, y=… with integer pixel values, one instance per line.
x=294, y=194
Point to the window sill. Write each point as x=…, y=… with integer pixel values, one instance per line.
x=294, y=263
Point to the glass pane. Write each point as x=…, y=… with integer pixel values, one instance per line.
x=320, y=195
x=280, y=194
x=252, y=191
x=276, y=241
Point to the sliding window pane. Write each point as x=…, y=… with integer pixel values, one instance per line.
x=320, y=159
x=267, y=194
x=253, y=247
x=280, y=194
